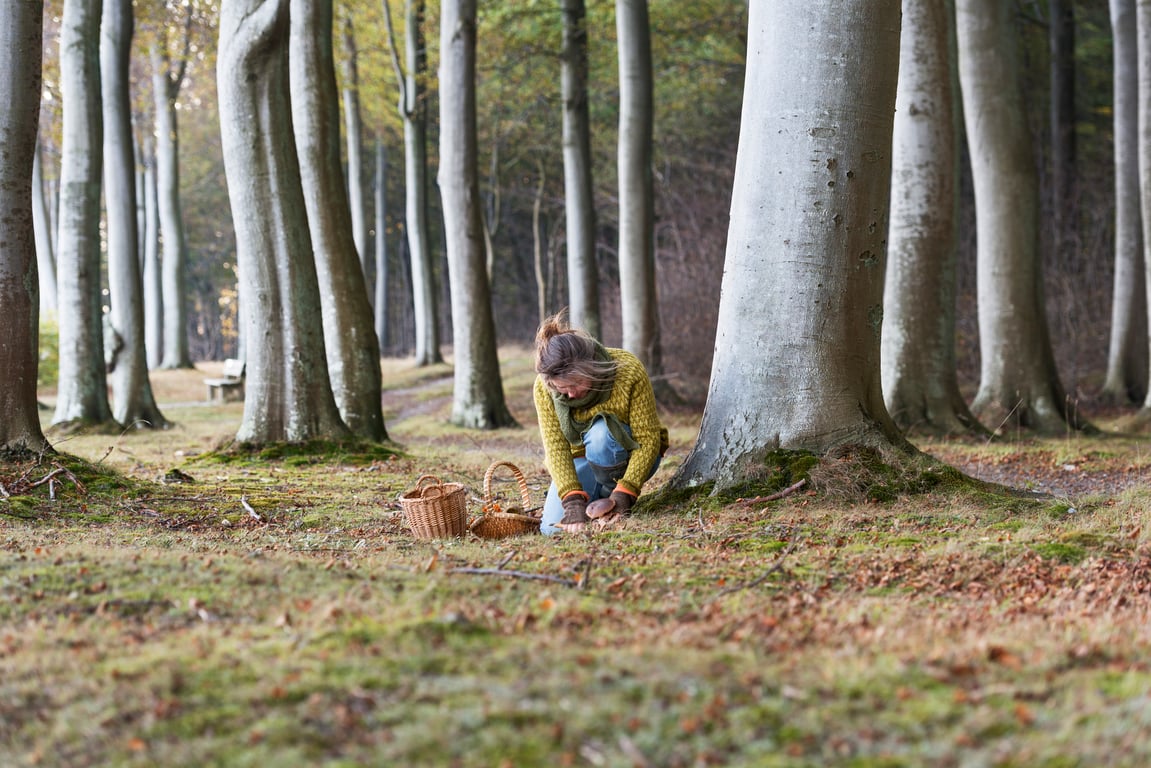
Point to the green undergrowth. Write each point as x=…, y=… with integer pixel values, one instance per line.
x=850, y=474
x=301, y=453
x=59, y=487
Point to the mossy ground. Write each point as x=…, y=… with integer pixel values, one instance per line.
x=274, y=610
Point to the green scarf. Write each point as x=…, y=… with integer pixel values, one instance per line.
x=566, y=407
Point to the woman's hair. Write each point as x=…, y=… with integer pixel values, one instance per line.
x=563, y=351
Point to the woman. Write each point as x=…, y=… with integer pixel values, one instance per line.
x=601, y=433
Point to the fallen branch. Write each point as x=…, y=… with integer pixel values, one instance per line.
x=250, y=510
x=775, y=496
x=516, y=575
x=763, y=577
x=49, y=476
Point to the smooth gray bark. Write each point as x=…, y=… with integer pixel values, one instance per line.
x=917, y=347
x=1127, y=359
x=166, y=83
x=797, y=349
x=414, y=113
x=354, y=137
x=153, y=277
x=133, y=404
x=42, y=226
x=380, y=305
x=82, y=392
x=1019, y=386
x=1143, y=65
x=21, y=45
x=639, y=309
x=349, y=330
x=579, y=201
x=478, y=397
x=287, y=393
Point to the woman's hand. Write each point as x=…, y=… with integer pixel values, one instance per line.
x=623, y=500
x=575, y=512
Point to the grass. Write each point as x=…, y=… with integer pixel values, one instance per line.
x=148, y=622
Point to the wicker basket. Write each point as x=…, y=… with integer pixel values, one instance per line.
x=434, y=509
x=494, y=522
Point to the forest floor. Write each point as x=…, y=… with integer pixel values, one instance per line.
x=170, y=604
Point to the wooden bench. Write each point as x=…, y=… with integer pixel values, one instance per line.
x=229, y=386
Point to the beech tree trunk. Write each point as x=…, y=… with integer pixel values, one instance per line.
x=797, y=349
x=353, y=128
x=380, y=305
x=82, y=387
x=1128, y=355
x=1143, y=64
x=133, y=404
x=21, y=44
x=917, y=347
x=1019, y=386
x=153, y=277
x=42, y=225
x=287, y=393
x=349, y=330
x=579, y=201
x=639, y=310
x=414, y=113
x=166, y=84
x=478, y=399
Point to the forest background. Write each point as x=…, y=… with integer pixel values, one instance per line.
x=698, y=52
x=168, y=603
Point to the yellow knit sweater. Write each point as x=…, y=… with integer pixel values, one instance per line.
x=631, y=401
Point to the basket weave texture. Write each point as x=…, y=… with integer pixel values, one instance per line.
x=495, y=522
x=435, y=509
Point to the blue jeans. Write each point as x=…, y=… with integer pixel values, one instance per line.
x=600, y=450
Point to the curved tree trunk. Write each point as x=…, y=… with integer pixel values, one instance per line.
x=797, y=350
x=287, y=393
x=353, y=127
x=579, y=202
x=1127, y=359
x=478, y=400
x=1019, y=386
x=349, y=331
x=133, y=404
x=21, y=43
x=153, y=278
x=920, y=384
x=42, y=225
x=166, y=85
x=414, y=113
x=82, y=389
x=639, y=310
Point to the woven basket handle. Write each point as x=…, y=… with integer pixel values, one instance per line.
x=490, y=505
x=431, y=491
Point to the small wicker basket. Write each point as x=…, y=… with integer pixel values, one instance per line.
x=494, y=522
x=434, y=509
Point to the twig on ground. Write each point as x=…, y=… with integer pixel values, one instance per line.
x=762, y=577
x=585, y=577
x=507, y=559
x=515, y=574
x=775, y=496
x=48, y=477
x=249, y=509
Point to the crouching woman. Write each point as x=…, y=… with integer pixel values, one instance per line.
x=601, y=433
